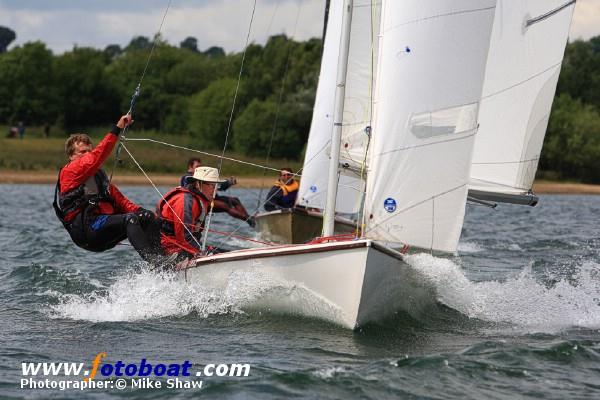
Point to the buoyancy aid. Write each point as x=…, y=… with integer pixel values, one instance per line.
x=94, y=190
x=289, y=192
x=286, y=189
x=194, y=223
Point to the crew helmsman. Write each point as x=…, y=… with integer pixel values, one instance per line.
x=94, y=212
x=283, y=194
x=183, y=211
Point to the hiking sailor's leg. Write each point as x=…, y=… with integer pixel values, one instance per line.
x=141, y=239
x=104, y=231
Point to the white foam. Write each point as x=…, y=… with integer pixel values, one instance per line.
x=522, y=300
x=469, y=247
x=329, y=372
x=514, y=247
x=148, y=295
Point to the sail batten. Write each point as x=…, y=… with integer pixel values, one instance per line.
x=549, y=13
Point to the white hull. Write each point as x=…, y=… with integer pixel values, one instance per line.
x=354, y=282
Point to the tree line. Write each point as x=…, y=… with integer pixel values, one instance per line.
x=572, y=144
x=188, y=91
x=184, y=90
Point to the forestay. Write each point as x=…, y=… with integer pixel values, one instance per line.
x=526, y=52
x=432, y=60
x=357, y=108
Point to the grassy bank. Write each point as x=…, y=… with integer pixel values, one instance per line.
x=36, y=153
x=36, y=159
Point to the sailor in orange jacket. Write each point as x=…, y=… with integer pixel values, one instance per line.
x=183, y=211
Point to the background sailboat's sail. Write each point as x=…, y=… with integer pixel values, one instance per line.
x=313, y=185
x=357, y=108
x=432, y=61
x=526, y=52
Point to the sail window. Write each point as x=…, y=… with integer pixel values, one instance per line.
x=445, y=121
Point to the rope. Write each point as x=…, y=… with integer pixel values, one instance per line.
x=162, y=196
x=136, y=93
x=278, y=109
x=201, y=152
x=237, y=88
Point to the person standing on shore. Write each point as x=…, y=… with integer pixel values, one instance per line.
x=94, y=212
x=21, y=129
x=47, y=130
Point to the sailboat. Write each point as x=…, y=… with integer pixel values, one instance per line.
x=526, y=53
x=305, y=221
x=428, y=98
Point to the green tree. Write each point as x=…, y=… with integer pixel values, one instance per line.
x=209, y=112
x=27, y=89
x=253, y=128
x=287, y=125
x=572, y=143
x=88, y=96
x=190, y=43
x=113, y=51
x=214, y=52
x=155, y=101
x=139, y=43
x=580, y=73
x=7, y=35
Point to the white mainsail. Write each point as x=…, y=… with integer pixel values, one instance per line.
x=357, y=108
x=526, y=52
x=432, y=58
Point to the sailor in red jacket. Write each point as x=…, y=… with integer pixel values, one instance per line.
x=94, y=212
x=183, y=211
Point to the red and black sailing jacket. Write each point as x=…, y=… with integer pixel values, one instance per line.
x=81, y=183
x=187, y=206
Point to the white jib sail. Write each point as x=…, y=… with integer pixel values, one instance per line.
x=526, y=52
x=357, y=108
x=429, y=82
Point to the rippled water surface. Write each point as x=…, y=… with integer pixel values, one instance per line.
x=518, y=313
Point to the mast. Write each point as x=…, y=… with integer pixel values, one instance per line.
x=329, y=217
x=325, y=21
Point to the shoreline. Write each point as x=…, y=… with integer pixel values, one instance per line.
x=45, y=177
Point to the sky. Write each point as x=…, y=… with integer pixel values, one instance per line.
x=61, y=24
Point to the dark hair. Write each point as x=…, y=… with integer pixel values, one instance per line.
x=192, y=160
x=288, y=169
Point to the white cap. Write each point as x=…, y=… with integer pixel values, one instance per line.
x=206, y=174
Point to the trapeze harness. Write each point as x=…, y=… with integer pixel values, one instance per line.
x=81, y=202
x=195, y=226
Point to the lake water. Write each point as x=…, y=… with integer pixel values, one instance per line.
x=518, y=314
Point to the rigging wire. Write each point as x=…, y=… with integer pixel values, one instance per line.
x=278, y=108
x=222, y=156
x=200, y=152
x=136, y=93
x=206, y=229
x=162, y=196
x=237, y=88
